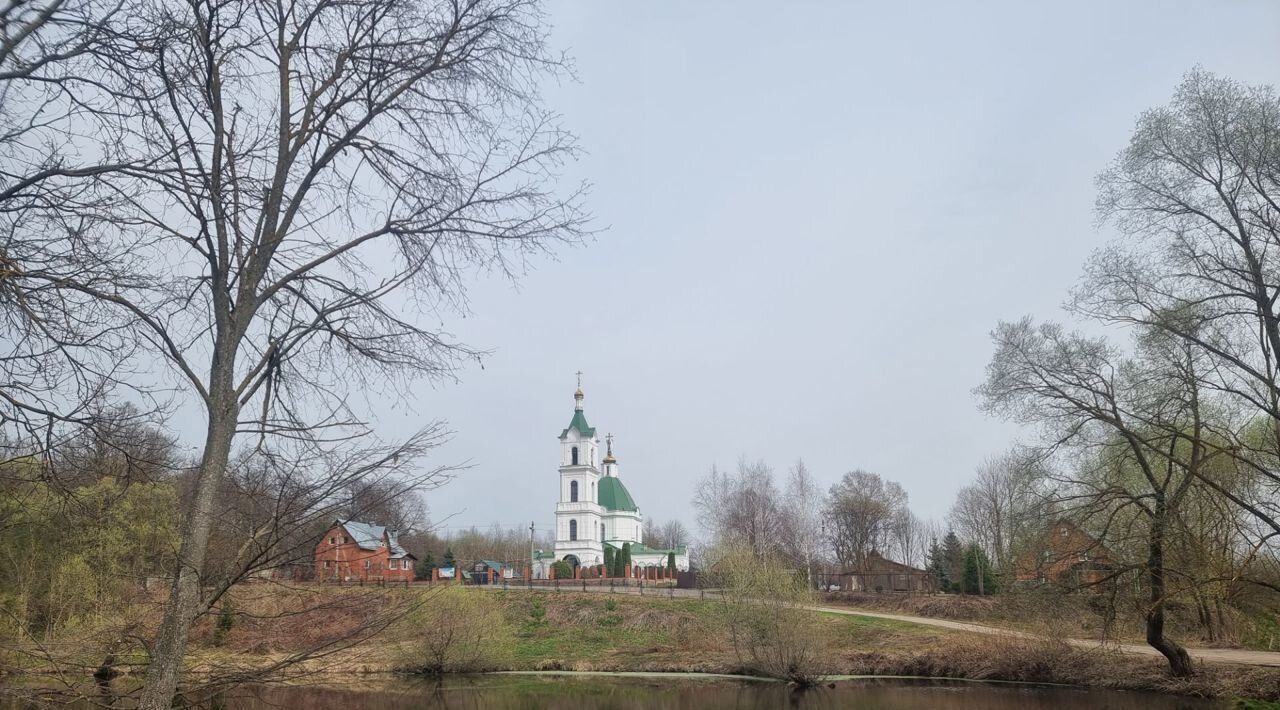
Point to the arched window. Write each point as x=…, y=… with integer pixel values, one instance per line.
x=573, y=454
x=573, y=530
x=573, y=491
x=593, y=491
x=602, y=531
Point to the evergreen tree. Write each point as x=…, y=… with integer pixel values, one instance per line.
x=952, y=562
x=978, y=578
x=626, y=558
x=562, y=569
x=422, y=570
x=610, y=566
x=935, y=566
x=449, y=561
x=671, y=562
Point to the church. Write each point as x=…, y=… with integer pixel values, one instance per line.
x=595, y=510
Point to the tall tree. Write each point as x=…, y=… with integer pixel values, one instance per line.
x=62, y=355
x=1195, y=197
x=802, y=506
x=302, y=181
x=951, y=562
x=861, y=511
x=1003, y=506
x=745, y=506
x=1139, y=423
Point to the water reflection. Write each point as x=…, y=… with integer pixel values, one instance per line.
x=605, y=693
x=517, y=692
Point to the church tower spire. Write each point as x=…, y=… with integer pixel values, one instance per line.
x=610, y=463
x=577, y=396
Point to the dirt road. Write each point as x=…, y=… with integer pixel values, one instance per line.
x=1213, y=655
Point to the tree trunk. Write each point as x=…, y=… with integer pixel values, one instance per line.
x=184, y=605
x=1179, y=661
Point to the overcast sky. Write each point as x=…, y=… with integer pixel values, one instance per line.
x=814, y=213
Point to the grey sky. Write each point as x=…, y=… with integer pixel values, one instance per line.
x=816, y=212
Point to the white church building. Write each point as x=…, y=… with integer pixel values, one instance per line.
x=595, y=510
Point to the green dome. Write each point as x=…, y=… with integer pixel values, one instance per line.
x=614, y=496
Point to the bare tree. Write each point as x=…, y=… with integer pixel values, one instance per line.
x=744, y=507
x=1196, y=196
x=862, y=509
x=1003, y=506
x=62, y=356
x=802, y=504
x=1137, y=428
x=668, y=535
x=303, y=184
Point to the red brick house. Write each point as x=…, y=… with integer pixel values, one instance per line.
x=1066, y=555
x=352, y=551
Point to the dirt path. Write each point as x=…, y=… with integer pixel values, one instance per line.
x=1214, y=655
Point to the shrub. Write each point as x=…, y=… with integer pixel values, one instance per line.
x=226, y=620
x=562, y=569
x=763, y=607
x=457, y=630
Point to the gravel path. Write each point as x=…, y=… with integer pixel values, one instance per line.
x=1215, y=655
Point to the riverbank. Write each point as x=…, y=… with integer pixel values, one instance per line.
x=546, y=630
x=369, y=633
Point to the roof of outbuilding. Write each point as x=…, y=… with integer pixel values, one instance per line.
x=613, y=495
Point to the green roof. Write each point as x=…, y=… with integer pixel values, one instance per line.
x=613, y=495
x=642, y=549
x=580, y=423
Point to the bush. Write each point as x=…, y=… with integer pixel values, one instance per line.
x=562, y=569
x=772, y=633
x=457, y=630
x=226, y=620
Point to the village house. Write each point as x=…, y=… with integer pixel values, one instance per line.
x=1067, y=555
x=881, y=574
x=354, y=551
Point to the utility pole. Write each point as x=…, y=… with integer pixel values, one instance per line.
x=531, y=549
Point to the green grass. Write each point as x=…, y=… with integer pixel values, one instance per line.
x=567, y=631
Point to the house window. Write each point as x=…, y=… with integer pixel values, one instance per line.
x=406, y=565
x=601, y=531
x=573, y=491
x=573, y=456
x=328, y=563
x=367, y=564
x=345, y=539
x=333, y=541
x=573, y=530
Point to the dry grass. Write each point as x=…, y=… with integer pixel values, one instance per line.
x=1074, y=615
x=1048, y=661
x=574, y=631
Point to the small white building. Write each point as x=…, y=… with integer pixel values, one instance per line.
x=595, y=509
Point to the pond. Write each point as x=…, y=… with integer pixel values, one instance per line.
x=676, y=692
